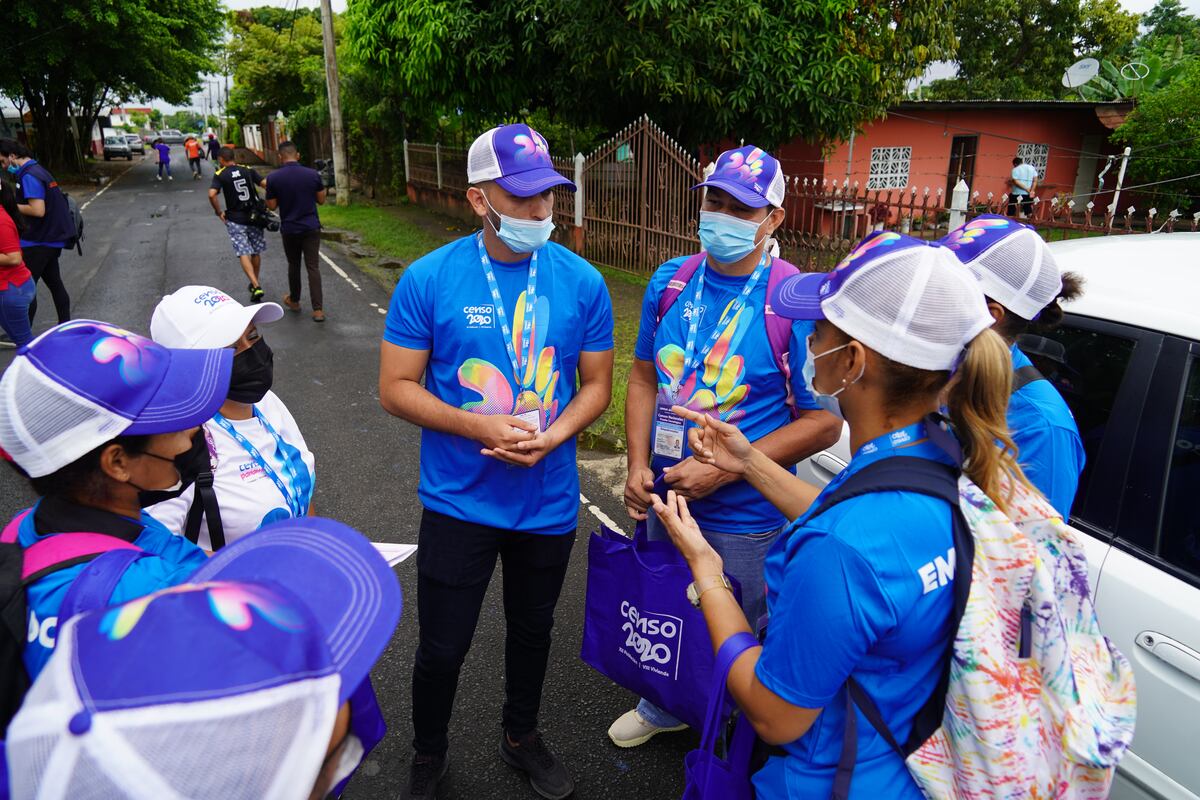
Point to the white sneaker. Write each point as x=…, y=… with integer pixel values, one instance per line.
x=170, y=177
x=631, y=730
x=158, y=177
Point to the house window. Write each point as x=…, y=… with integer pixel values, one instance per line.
x=889, y=167
x=1036, y=155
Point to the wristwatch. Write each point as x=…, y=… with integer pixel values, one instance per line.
x=694, y=592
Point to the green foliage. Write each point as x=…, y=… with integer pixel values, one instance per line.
x=765, y=70
x=1163, y=133
x=1169, y=24
x=277, y=66
x=1146, y=72
x=1019, y=49
x=88, y=52
x=187, y=121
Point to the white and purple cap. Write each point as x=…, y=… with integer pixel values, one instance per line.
x=517, y=158
x=750, y=174
x=83, y=383
x=906, y=299
x=204, y=316
x=226, y=686
x=1010, y=260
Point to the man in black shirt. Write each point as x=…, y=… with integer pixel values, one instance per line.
x=238, y=184
x=296, y=191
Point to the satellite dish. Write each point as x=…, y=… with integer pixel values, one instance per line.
x=1080, y=73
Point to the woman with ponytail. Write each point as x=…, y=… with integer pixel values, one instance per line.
x=863, y=588
x=1024, y=292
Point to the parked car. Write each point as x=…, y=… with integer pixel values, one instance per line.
x=1129, y=368
x=171, y=136
x=116, y=147
x=136, y=145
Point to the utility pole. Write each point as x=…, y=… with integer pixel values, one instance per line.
x=1117, y=192
x=341, y=177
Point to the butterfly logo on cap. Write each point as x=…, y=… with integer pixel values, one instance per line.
x=967, y=234
x=231, y=603
x=134, y=354
x=746, y=166
x=886, y=239
x=533, y=147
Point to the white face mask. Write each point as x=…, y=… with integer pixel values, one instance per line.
x=827, y=402
x=521, y=235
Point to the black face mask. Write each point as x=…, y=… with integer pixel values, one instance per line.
x=189, y=463
x=253, y=371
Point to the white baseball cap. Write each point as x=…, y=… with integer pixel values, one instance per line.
x=205, y=317
x=1011, y=262
x=906, y=299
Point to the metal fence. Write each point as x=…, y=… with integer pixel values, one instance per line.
x=634, y=207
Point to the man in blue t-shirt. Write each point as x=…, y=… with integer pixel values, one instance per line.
x=48, y=223
x=501, y=324
x=296, y=191
x=711, y=352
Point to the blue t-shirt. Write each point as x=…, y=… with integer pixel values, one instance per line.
x=164, y=152
x=1048, y=444
x=33, y=189
x=443, y=304
x=740, y=380
x=865, y=590
x=295, y=187
x=177, y=559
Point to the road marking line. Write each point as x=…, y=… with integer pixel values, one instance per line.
x=381, y=310
x=605, y=519
x=340, y=271
x=105, y=188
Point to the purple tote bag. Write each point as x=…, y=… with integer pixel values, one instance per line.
x=639, y=629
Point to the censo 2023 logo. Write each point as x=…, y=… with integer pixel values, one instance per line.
x=651, y=640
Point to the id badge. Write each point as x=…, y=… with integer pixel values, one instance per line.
x=668, y=433
x=533, y=417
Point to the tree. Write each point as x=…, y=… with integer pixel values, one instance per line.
x=277, y=67
x=89, y=52
x=765, y=70
x=186, y=120
x=1168, y=23
x=1019, y=49
x=1148, y=72
x=1163, y=133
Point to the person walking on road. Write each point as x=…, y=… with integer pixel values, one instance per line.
x=48, y=223
x=164, y=159
x=194, y=153
x=721, y=312
x=262, y=468
x=513, y=335
x=239, y=185
x=214, y=147
x=17, y=288
x=296, y=191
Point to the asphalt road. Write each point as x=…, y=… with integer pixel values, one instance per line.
x=144, y=239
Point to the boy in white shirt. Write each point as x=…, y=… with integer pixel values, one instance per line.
x=262, y=470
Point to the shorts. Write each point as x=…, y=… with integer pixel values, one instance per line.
x=247, y=240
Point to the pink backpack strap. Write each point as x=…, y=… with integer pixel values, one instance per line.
x=779, y=329
x=677, y=283
x=61, y=549
x=13, y=528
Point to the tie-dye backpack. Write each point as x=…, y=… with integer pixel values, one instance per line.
x=1036, y=703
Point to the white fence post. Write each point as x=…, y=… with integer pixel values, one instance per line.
x=579, y=190
x=437, y=156
x=958, y=204
x=407, y=171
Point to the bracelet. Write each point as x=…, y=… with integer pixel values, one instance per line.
x=700, y=597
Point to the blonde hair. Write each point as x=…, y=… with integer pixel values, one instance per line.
x=978, y=401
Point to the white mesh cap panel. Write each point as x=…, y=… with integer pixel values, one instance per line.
x=916, y=306
x=482, y=162
x=43, y=426
x=1019, y=273
x=775, y=190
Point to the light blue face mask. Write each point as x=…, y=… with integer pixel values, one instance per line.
x=521, y=235
x=827, y=402
x=13, y=168
x=726, y=238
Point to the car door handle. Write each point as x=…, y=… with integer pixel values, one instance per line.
x=1178, y=655
x=829, y=464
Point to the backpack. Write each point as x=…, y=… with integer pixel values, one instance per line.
x=109, y=557
x=1033, y=701
x=779, y=329
x=76, y=222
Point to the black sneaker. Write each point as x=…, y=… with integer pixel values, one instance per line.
x=256, y=293
x=547, y=775
x=424, y=775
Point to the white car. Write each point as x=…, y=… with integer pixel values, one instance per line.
x=1127, y=361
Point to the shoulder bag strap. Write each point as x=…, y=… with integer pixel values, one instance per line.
x=1024, y=376
x=679, y=280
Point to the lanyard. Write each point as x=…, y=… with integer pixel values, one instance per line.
x=693, y=359
x=297, y=505
x=502, y=316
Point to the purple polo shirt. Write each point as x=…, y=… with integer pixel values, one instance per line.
x=295, y=186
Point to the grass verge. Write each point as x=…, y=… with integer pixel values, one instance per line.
x=402, y=233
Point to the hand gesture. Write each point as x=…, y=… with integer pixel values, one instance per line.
x=716, y=443
x=694, y=479
x=639, y=487
x=501, y=432
x=525, y=453
x=686, y=535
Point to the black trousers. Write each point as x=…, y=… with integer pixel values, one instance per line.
x=1022, y=203
x=455, y=562
x=42, y=263
x=307, y=244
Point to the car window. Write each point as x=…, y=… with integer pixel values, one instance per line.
x=1088, y=377
x=1180, y=542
